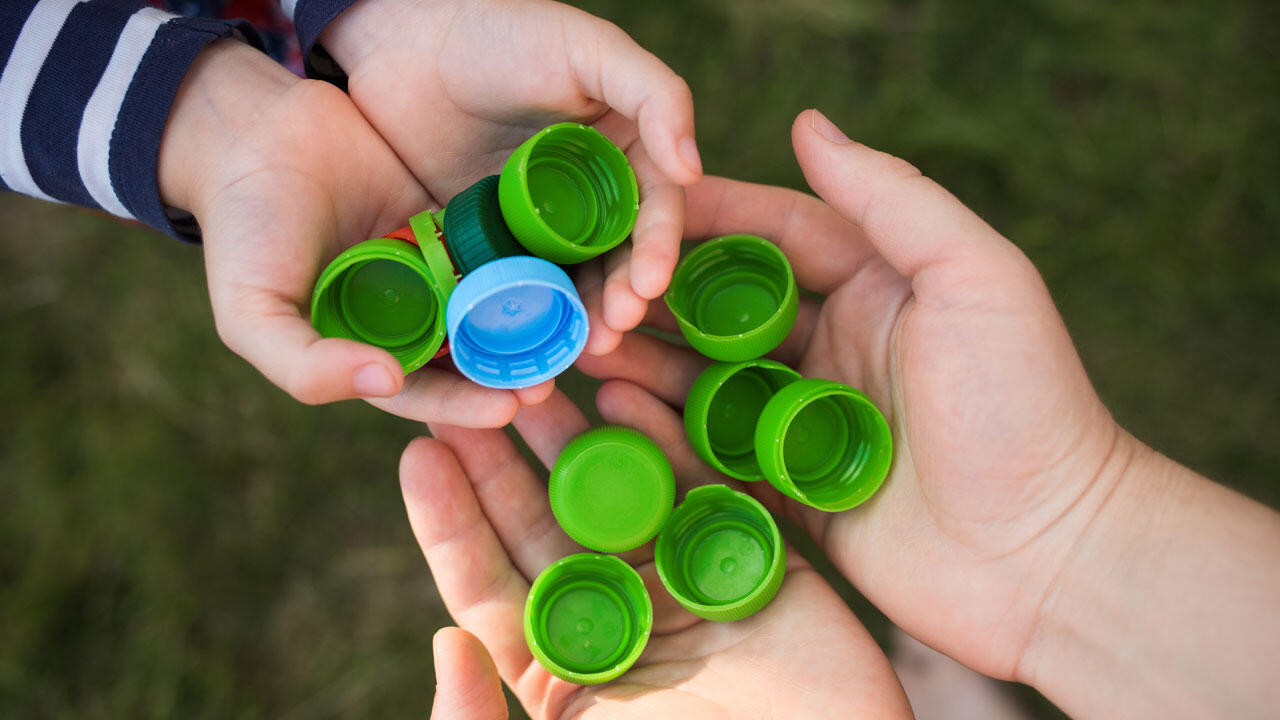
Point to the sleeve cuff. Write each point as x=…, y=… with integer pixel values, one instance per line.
x=310, y=18
x=135, y=143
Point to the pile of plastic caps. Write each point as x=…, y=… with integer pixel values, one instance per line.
x=484, y=273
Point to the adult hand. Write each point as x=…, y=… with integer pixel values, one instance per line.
x=455, y=85
x=283, y=174
x=1003, y=450
x=483, y=520
x=1021, y=530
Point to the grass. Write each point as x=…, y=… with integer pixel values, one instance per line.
x=179, y=538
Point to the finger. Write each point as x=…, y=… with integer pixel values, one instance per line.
x=267, y=330
x=661, y=368
x=611, y=67
x=625, y=403
x=659, y=226
x=823, y=248
x=623, y=308
x=467, y=683
x=536, y=394
x=480, y=587
x=435, y=395
x=550, y=426
x=590, y=282
x=922, y=230
x=510, y=495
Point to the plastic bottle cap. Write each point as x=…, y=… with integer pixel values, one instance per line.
x=824, y=444
x=515, y=322
x=385, y=292
x=734, y=297
x=721, y=410
x=475, y=229
x=611, y=489
x=568, y=194
x=587, y=618
x=720, y=555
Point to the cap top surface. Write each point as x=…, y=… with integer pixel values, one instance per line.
x=386, y=302
x=611, y=489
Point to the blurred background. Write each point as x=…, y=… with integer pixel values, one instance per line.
x=180, y=538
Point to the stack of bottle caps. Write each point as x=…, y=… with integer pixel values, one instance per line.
x=484, y=271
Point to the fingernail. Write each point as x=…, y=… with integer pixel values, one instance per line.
x=689, y=153
x=373, y=380
x=827, y=129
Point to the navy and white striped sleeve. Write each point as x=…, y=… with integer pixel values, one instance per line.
x=310, y=18
x=85, y=92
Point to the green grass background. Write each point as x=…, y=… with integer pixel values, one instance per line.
x=179, y=538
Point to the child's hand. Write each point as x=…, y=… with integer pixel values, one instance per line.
x=482, y=518
x=282, y=174
x=1003, y=450
x=455, y=85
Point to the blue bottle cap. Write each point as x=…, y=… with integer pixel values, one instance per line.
x=515, y=322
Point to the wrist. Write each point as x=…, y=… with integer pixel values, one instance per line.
x=363, y=28
x=1165, y=602
x=224, y=94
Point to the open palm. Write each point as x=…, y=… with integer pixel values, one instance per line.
x=1002, y=448
x=484, y=523
x=456, y=86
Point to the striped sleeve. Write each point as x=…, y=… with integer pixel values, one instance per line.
x=85, y=92
x=310, y=18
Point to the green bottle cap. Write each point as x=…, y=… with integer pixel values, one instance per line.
x=734, y=297
x=611, y=489
x=474, y=226
x=721, y=555
x=587, y=618
x=824, y=444
x=387, y=293
x=721, y=410
x=568, y=194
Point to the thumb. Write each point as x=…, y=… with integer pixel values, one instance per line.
x=919, y=228
x=467, y=683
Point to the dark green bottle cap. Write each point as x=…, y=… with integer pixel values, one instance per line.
x=824, y=444
x=587, y=618
x=734, y=297
x=611, y=489
x=720, y=555
x=568, y=194
x=474, y=228
x=386, y=293
x=721, y=410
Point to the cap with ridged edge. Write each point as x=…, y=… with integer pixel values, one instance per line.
x=824, y=444
x=720, y=555
x=475, y=229
x=384, y=292
x=721, y=410
x=611, y=489
x=734, y=297
x=587, y=618
x=568, y=194
x=515, y=322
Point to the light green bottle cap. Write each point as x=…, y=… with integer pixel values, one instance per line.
x=611, y=489
x=386, y=293
x=824, y=444
x=720, y=555
x=734, y=297
x=568, y=194
x=587, y=618
x=721, y=410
